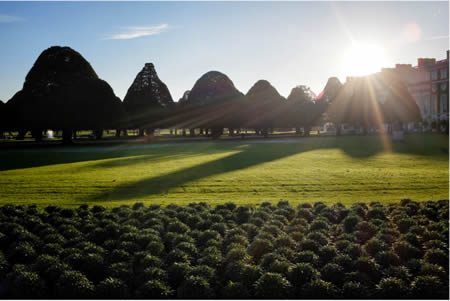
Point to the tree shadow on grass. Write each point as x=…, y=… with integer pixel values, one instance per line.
x=252, y=154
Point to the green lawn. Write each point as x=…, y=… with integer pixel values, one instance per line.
x=328, y=169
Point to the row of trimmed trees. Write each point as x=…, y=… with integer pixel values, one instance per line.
x=63, y=92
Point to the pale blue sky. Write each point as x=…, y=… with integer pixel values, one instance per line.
x=286, y=43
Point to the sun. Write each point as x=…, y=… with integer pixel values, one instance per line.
x=363, y=58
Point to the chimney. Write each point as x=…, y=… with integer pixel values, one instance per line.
x=425, y=62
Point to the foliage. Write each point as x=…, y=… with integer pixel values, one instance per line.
x=151, y=253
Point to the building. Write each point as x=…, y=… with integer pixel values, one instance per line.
x=428, y=84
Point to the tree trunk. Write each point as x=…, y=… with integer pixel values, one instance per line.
x=192, y=132
x=117, y=132
x=37, y=135
x=67, y=136
x=171, y=132
x=183, y=132
x=141, y=132
x=230, y=132
x=98, y=134
x=307, y=130
x=338, y=129
x=21, y=134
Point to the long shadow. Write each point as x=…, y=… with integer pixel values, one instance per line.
x=126, y=155
x=357, y=147
x=249, y=156
x=253, y=154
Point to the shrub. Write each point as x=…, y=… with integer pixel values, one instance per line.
x=112, y=288
x=73, y=284
x=387, y=258
x=259, y=247
x=177, y=272
x=302, y=273
x=436, y=256
x=345, y=261
x=307, y=257
x=310, y=245
x=318, y=237
x=374, y=246
x=203, y=271
x=22, y=252
x=354, y=290
x=350, y=223
x=25, y=284
x=332, y=272
x=429, y=269
x=195, y=287
x=327, y=253
x=318, y=225
x=237, y=254
x=305, y=213
x=268, y=259
x=154, y=289
x=369, y=267
x=405, y=224
x=427, y=287
x=400, y=272
x=377, y=213
x=319, y=289
x=177, y=227
x=120, y=270
x=187, y=247
x=391, y=288
x=242, y=214
x=234, y=290
x=272, y=286
x=354, y=250
x=405, y=250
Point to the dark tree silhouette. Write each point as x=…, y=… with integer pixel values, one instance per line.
x=263, y=107
x=301, y=110
x=399, y=106
x=2, y=118
x=62, y=91
x=147, y=101
x=213, y=103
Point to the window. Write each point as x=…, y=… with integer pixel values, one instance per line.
x=444, y=103
x=443, y=73
x=443, y=87
x=434, y=75
x=433, y=104
x=434, y=87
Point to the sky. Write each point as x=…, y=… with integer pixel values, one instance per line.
x=286, y=43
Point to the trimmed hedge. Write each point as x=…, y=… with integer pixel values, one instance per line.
x=273, y=251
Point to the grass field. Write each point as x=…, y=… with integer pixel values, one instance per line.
x=328, y=169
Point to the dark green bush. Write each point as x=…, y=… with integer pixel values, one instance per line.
x=259, y=247
x=354, y=290
x=154, y=289
x=73, y=284
x=307, y=257
x=195, y=287
x=391, y=288
x=112, y=288
x=427, y=287
x=24, y=284
x=437, y=256
x=332, y=272
x=272, y=286
x=350, y=223
x=319, y=289
x=234, y=290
